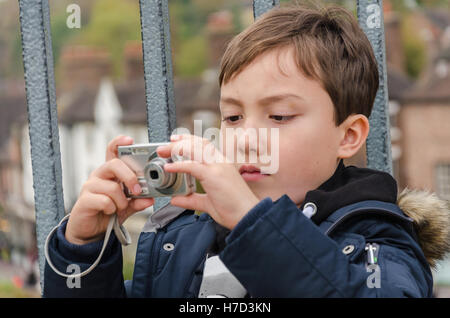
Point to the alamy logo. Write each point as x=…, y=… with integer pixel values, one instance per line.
x=74, y=19
x=238, y=145
x=374, y=279
x=374, y=18
x=74, y=280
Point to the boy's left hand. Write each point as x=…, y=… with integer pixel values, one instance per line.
x=228, y=197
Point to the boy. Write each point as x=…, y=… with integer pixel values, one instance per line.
x=310, y=74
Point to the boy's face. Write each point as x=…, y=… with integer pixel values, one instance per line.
x=272, y=93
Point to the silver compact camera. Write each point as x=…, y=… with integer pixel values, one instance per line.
x=149, y=169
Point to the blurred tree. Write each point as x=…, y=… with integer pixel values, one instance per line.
x=406, y=5
x=191, y=59
x=415, y=50
x=61, y=35
x=187, y=37
x=112, y=24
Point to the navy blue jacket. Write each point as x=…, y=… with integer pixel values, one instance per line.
x=274, y=251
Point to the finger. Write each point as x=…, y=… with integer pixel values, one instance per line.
x=189, y=147
x=111, y=149
x=176, y=142
x=110, y=188
x=117, y=169
x=193, y=201
x=99, y=202
x=200, y=149
x=135, y=205
x=164, y=151
x=193, y=168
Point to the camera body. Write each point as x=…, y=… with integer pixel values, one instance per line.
x=149, y=169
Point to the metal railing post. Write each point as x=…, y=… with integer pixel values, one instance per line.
x=158, y=73
x=42, y=119
x=262, y=6
x=371, y=20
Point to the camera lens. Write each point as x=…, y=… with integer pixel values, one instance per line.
x=157, y=176
x=154, y=174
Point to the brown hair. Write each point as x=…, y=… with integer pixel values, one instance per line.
x=329, y=46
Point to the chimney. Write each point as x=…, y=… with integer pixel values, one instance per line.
x=220, y=31
x=134, y=65
x=83, y=66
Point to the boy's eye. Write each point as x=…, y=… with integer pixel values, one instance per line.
x=281, y=118
x=232, y=119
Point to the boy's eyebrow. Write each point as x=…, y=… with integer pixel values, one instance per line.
x=231, y=100
x=276, y=98
x=264, y=101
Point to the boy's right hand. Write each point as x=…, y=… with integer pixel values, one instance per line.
x=102, y=195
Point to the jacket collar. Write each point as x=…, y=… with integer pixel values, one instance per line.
x=350, y=185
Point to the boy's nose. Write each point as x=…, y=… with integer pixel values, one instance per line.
x=247, y=142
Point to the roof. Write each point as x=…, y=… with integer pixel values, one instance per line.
x=77, y=105
x=436, y=90
x=190, y=94
x=439, y=17
x=398, y=83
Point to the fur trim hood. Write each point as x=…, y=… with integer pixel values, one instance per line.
x=431, y=217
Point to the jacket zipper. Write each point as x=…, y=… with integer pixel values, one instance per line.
x=372, y=253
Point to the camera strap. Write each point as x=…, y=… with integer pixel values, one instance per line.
x=113, y=225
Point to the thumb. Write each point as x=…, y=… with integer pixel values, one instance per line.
x=193, y=201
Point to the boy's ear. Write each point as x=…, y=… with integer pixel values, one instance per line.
x=355, y=130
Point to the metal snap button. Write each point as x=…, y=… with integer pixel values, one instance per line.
x=309, y=209
x=168, y=247
x=348, y=249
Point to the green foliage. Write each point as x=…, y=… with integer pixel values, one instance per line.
x=433, y=3
x=61, y=34
x=415, y=50
x=406, y=5
x=112, y=24
x=8, y=290
x=191, y=57
x=16, y=67
x=187, y=38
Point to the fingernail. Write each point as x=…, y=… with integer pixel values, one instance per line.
x=127, y=139
x=137, y=189
x=174, y=137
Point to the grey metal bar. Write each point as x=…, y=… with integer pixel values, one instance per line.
x=262, y=6
x=158, y=72
x=42, y=119
x=371, y=20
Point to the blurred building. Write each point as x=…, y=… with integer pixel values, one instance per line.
x=425, y=124
x=16, y=216
x=420, y=109
x=93, y=109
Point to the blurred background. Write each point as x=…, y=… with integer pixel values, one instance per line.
x=100, y=94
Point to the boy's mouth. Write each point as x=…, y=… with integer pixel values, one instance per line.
x=251, y=173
